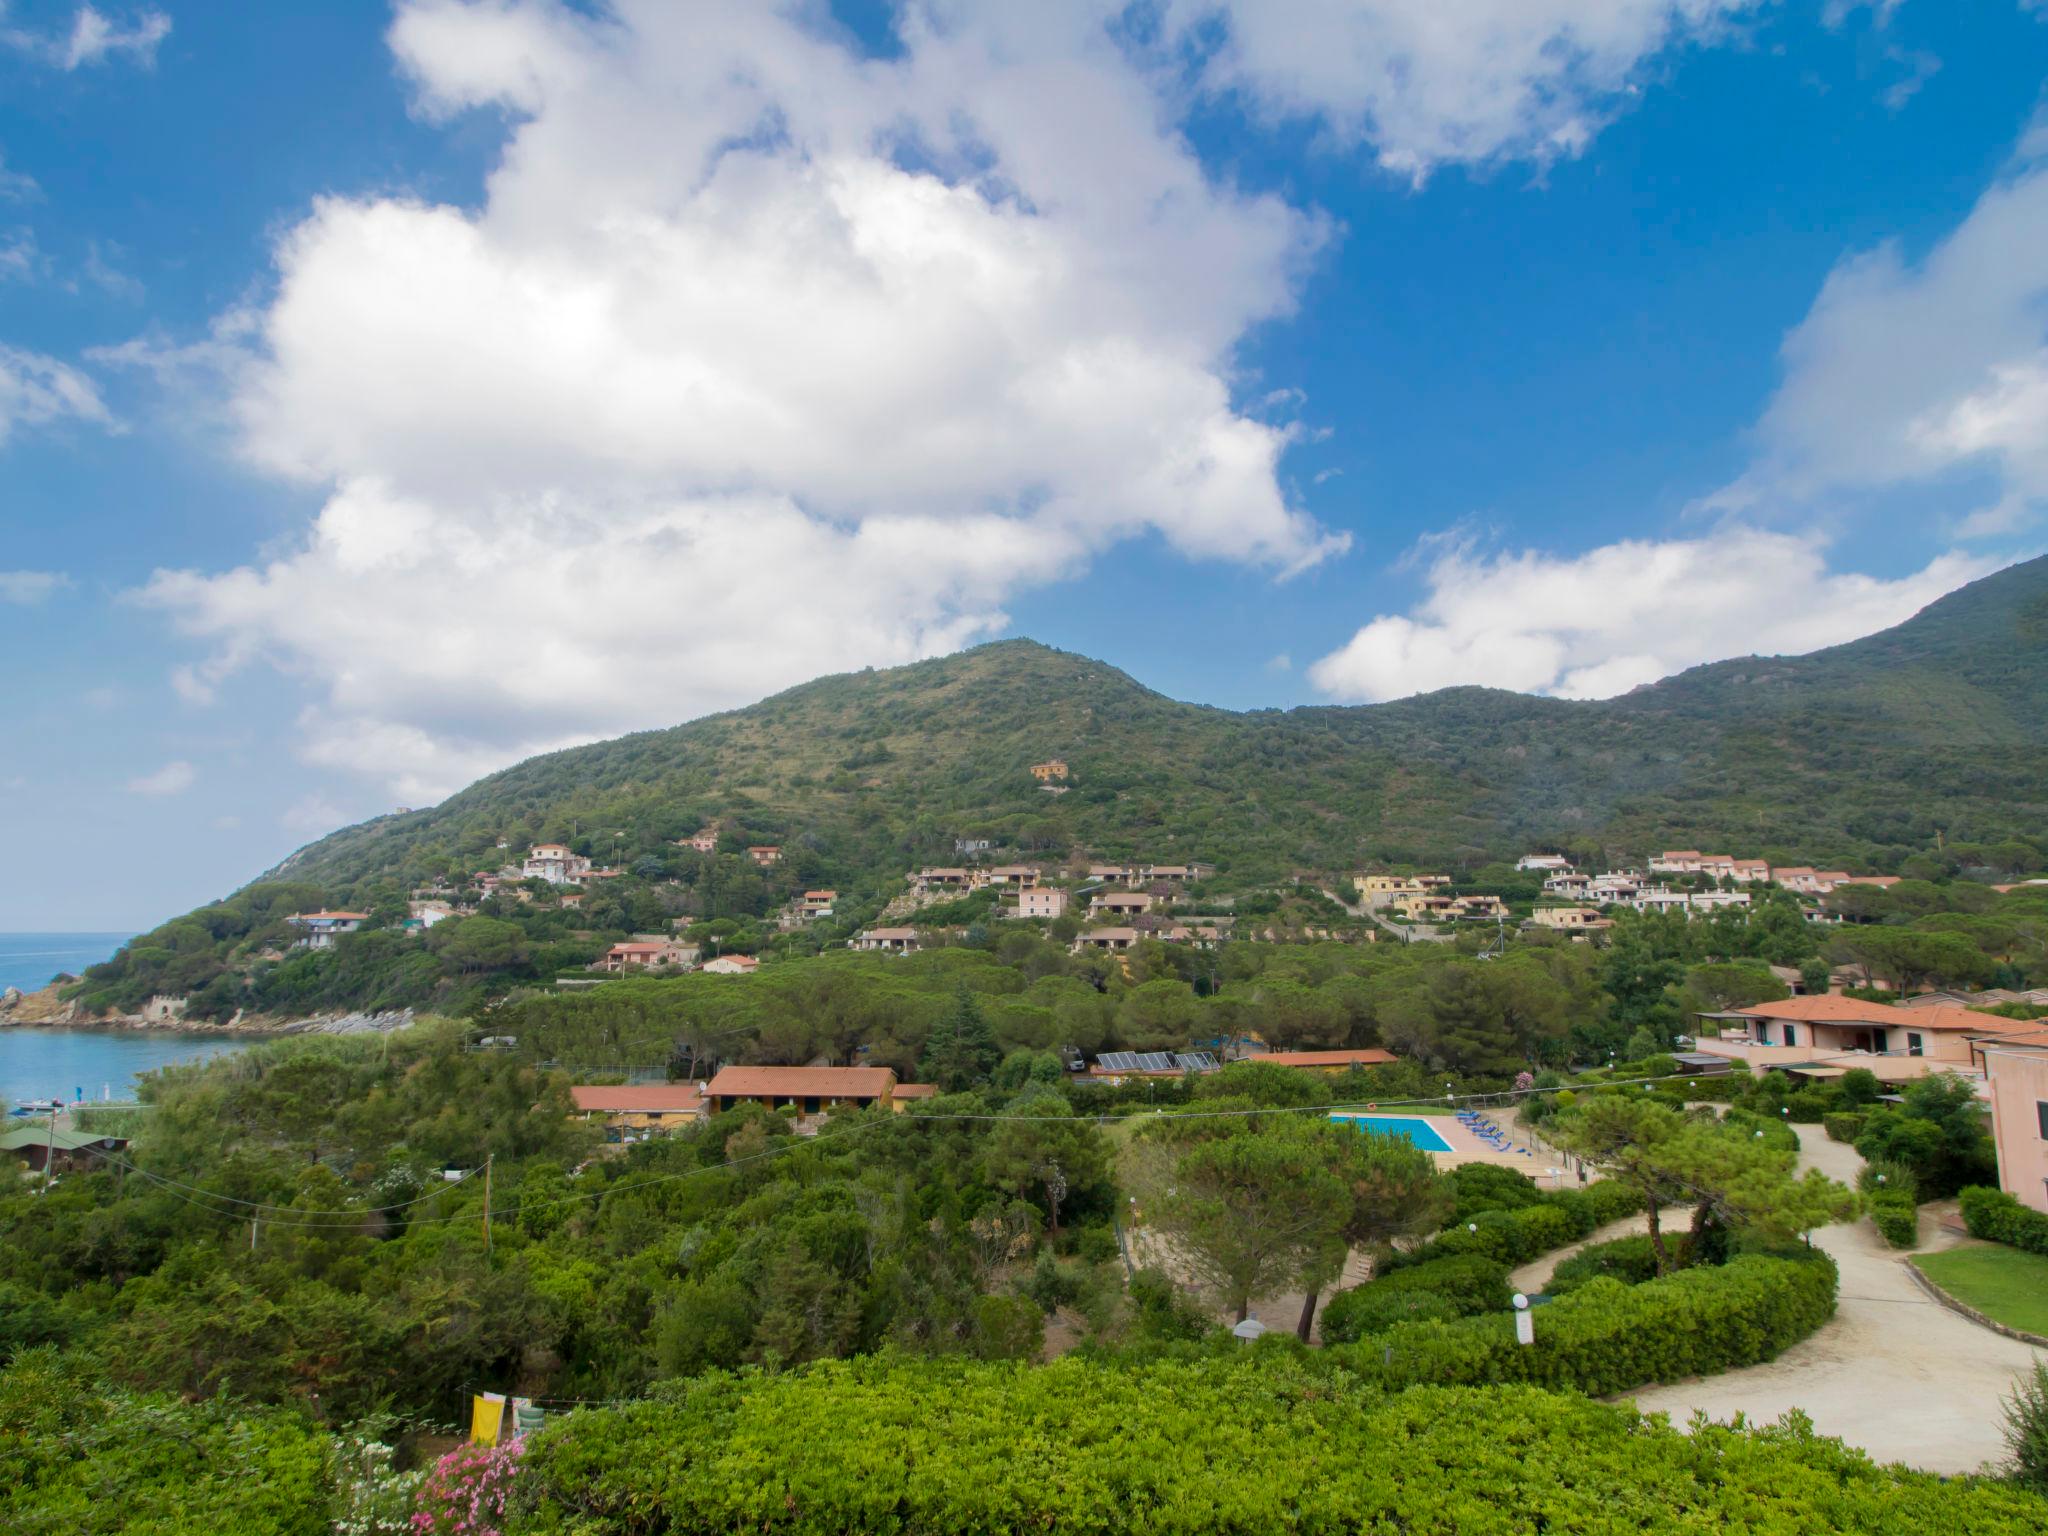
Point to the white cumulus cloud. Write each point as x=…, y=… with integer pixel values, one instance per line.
x=1908, y=371
x=1598, y=624
x=762, y=358
x=1432, y=82
x=174, y=778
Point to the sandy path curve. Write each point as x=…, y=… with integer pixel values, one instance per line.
x=1894, y=1372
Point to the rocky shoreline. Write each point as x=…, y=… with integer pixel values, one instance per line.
x=47, y=1008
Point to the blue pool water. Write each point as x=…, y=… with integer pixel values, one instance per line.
x=1419, y=1131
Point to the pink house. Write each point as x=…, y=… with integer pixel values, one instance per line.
x=2016, y=1072
x=1041, y=901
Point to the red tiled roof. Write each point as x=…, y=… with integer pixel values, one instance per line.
x=914, y=1091
x=640, y=1099
x=801, y=1083
x=1370, y=1056
x=1826, y=1010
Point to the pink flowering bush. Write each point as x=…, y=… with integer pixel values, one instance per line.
x=466, y=1492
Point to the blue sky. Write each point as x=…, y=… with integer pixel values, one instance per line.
x=386, y=394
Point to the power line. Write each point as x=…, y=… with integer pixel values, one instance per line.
x=353, y=1219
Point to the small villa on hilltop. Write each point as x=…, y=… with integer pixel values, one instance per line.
x=730, y=965
x=765, y=854
x=1106, y=938
x=1050, y=770
x=1042, y=901
x=319, y=930
x=893, y=941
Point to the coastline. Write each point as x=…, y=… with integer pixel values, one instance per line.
x=46, y=1008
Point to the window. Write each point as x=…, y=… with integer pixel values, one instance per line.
x=1763, y=1033
x=1915, y=1046
x=2041, y=1112
x=1791, y=1035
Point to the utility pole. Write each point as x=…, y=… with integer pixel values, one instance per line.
x=487, y=1204
x=49, y=1151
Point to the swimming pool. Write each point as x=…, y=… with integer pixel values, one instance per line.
x=1415, y=1128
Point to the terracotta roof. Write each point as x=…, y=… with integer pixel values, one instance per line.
x=1106, y=935
x=1825, y=1010
x=640, y=1098
x=636, y=949
x=1950, y=1016
x=889, y=933
x=1370, y=1056
x=914, y=1091
x=801, y=1083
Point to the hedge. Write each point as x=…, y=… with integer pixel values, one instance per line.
x=1844, y=1125
x=1457, y=1286
x=1897, y=1217
x=1998, y=1217
x=1606, y=1337
x=1516, y=1236
x=1631, y=1260
x=1256, y=1444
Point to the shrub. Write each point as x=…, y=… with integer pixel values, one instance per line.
x=1998, y=1217
x=1776, y=1132
x=1456, y=1286
x=1607, y=1337
x=1897, y=1217
x=1844, y=1125
x=1198, y=1447
x=1490, y=1187
x=1808, y=1107
x=1096, y=1245
x=1008, y=1328
x=1630, y=1260
x=467, y=1490
x=2026, y=1428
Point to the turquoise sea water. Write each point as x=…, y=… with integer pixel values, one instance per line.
x=1419, y=1131
x=29, y=960
x=80, y=1063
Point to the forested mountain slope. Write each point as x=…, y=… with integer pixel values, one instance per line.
x=1858, y=753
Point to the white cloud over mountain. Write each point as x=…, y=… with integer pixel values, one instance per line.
x=764, y=357
x=1594, y=625
x=1908, y=371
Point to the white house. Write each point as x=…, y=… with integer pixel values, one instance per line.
x=894, y=941
x=319, y=930
x=554, y=863
x=1548, y=863
x=731, y=965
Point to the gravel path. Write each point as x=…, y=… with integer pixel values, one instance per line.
x=1675, y=1220
x=1895, y=1373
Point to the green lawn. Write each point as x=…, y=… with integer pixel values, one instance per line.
x=2002, y=1283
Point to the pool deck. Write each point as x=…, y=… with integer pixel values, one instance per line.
x=1467, y=1147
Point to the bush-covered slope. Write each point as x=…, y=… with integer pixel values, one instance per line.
x=1860, y=753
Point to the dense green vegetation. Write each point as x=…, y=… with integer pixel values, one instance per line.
x=1250, y=1446
x=1910, y=752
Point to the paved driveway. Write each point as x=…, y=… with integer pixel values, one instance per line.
x=1899, y=1375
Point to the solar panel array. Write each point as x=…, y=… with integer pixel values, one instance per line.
x=1156, y=1061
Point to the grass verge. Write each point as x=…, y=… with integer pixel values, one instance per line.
x=2003, y=1283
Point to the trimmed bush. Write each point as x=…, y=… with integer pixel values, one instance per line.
x=1552, y=1219
x=1897, y=1217
x=1844, y=1125
x=1607, y=1337
x=1458, y=1286
x=1998, y=1217
x=1808, y=1107
x=1630, y=1260
x=1776, y=1132
x=1193, y=1448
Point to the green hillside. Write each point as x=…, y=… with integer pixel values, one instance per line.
x=1860, y=754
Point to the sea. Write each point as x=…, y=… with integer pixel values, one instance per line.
x=78, y=1064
